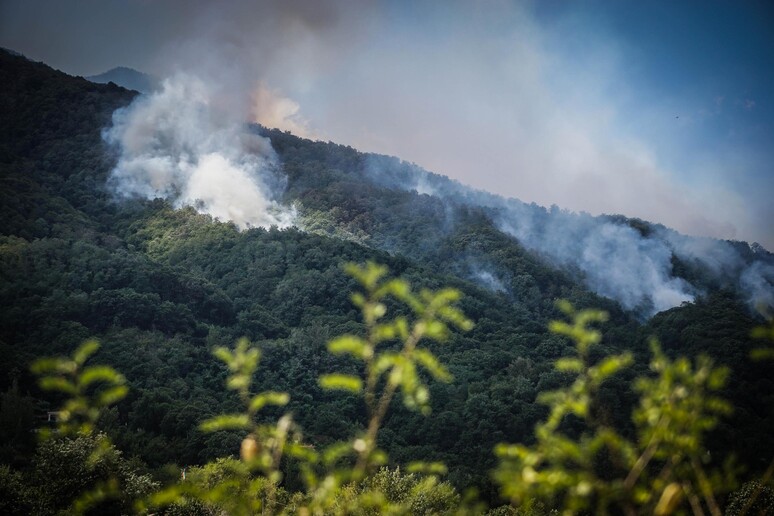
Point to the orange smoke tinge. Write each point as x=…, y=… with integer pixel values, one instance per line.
x=272, y=109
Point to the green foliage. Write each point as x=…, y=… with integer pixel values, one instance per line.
x=75, y=468
x=16, y=425
x=600, y=469
x=579, y=461
x=335, y=478
x=558, y=468
x=764, y=332
x=386, y=371
x=161, y=287
x=399, y=370
x=85, y=473
x=252, y=484
x=754, y=498
x=17, y=497
x=89, y=389
x=390, y=491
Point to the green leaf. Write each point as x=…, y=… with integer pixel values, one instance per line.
x=762, y=354
x=53, y=365
x=336, y=451
x=427, y=468
x=84, y=351
x=611, y=365
x=386, y=360
x=226, y=422
x=223, y=354
x=238, y=382
x=355, y=346
x=99, y=374
x=358, y=299
x=433, y=366
x=112, y=395
x=565, y=306
x=384, y=332
x=436, y=330
x=268, y=398
x=341, y=382
x=569, y=365
x=55, y=383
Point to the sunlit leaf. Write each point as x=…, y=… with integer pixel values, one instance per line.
x=268, y=398
x=55, y=383
x=99, y=374
x=350, y=344
x=432, y=364
x=341, y=382
x=226, y=422
x=112, y=395
x=84, y=351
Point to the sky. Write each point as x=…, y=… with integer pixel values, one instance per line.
x=662, y=110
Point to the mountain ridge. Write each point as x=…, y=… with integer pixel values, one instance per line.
x=128, y=78
x=159, y=285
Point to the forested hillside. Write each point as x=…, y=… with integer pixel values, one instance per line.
x=159, y=287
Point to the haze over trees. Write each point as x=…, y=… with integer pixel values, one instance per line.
x=161, y=285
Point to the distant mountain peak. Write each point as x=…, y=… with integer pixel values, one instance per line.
x=128, y=78
x=13, y=52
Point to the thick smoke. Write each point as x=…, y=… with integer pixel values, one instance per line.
x=614, y=259
x=179, y=143
x=634, y=266
x=732, y=265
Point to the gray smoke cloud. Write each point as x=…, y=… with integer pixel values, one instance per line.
x=632, y=266
x=178, y=143
x=614, y=259
x=734, y=265
x=188, y=141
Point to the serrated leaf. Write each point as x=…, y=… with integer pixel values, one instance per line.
x=84, y=351
x=226, y=422
x=268, y=398
x=53, y=365
x=350, y=344
x=238, y=382
x=56, y=383
x=99, y=374
x=341, y=382
x=611, y=365
x=385, y=361
x=436, y=330
x=433, y=366
x=112, y=395
x=223, y=354
x=427, y=468
x=569, y=365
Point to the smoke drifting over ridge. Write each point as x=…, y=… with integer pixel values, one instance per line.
x=553, y=102
x=176, y=143
x=189, y=141
x=632, y=265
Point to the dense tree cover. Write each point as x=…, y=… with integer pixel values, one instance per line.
x=161, y=287
x=664, y=471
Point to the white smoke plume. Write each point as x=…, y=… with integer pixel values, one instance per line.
x=733, y=265
x=487, y=279
x=181, y=144
x=272, y=109
x=613, y=258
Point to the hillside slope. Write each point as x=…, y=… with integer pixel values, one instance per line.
x=161, y=286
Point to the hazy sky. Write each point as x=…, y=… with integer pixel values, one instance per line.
x=661, y=110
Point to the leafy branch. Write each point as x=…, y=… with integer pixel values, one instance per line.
x=662, y=470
